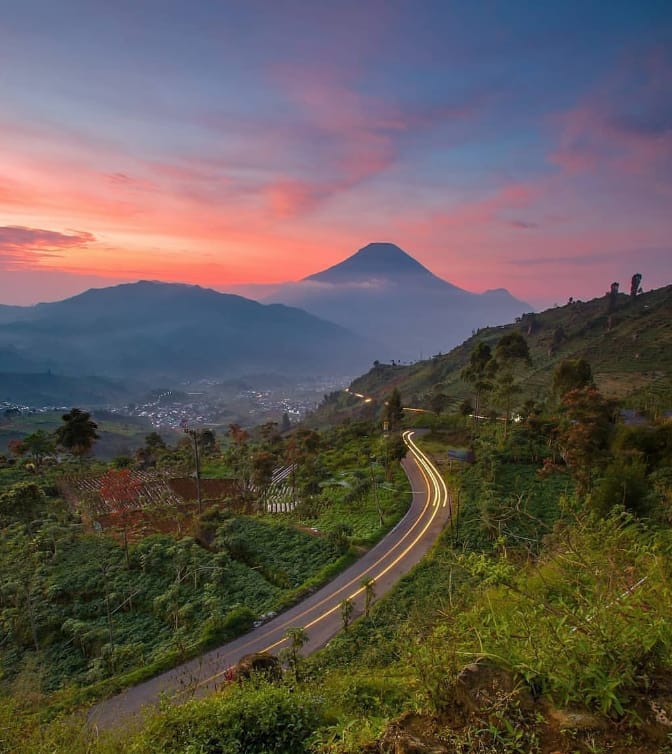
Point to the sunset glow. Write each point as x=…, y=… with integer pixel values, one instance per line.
x=524, y=146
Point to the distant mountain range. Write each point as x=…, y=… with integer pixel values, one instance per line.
x=384, y=294
x=379, y=304
x=170, y=332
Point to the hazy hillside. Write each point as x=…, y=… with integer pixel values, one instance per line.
x=155, y=330
x=630, y=355
x=48, y=389
x=11, y=313
x=385, y=294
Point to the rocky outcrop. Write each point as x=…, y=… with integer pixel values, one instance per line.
x=483, y=686
x=410, y=734
x=256, y=663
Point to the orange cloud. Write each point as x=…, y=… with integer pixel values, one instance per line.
x=28, y=247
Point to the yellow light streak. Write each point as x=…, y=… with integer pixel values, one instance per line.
x=437, y=496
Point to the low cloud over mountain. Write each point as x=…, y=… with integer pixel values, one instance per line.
x=384, y=294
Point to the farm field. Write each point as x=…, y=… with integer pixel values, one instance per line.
x=107, y=585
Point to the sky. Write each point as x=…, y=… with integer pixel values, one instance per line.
x=515, y=144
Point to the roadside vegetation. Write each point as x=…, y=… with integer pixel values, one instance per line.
x=541, y=622
x=108, y=576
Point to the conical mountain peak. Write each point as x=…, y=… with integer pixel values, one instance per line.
x=384, y=293
x=374, y=261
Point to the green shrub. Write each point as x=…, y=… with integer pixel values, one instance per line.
x=589, y=625
x=255, y=719
x=624, y=484
x=238, y=621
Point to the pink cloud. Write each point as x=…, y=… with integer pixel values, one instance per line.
x=613, y=134
x=274, y=203
x=350, y=137
x=491, y=211
x=289, y=198
x=353, y=136
x=27, y=247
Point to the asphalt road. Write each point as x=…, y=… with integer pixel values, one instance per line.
x=319, y=614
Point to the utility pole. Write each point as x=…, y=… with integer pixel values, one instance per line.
x=374, y=484
x=194, y=436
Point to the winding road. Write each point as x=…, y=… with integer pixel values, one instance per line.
x=319, y=614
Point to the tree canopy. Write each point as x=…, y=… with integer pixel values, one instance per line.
x=78, y=432
x=393, y=413
x=571, y=374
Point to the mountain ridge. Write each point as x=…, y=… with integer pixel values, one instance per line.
x=629, y=350
x=153, y=330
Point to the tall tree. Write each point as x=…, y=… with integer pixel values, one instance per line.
x=154, y=442
x=297, y=637
x=195, y=436
x=369, y=586
x=584, y=434
x=120, y=488
x=207, y=442
x=635, y=284
x=78, y=433
x=153, y=450
x=571, y=374
x=37, y=445
x=438, y=402
x=512, y=349
x=270, y=435
x=347, y=608
x=393, y=413
x=393, y=449
x=612, y=297
x=479, y=373
x=263, y=466
x=238, y=458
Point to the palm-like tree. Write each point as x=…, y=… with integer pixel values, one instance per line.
x=347, y=607
x=369, y=586
x=512, y=349
x=297, y=637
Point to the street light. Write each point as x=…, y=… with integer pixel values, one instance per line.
x=194, y=436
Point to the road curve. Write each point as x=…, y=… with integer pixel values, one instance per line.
x=318, y=614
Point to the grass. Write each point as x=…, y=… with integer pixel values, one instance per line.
x=543, y=597
x=631, y=356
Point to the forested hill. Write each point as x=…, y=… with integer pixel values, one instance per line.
x=627, y=343
x=170, y=332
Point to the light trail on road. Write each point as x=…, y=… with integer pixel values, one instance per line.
x=437, y=497
x=385, y=563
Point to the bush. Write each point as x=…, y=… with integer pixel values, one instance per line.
x=623, y=484
x=263, y=719
x=589, y=625
x=238, y=621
